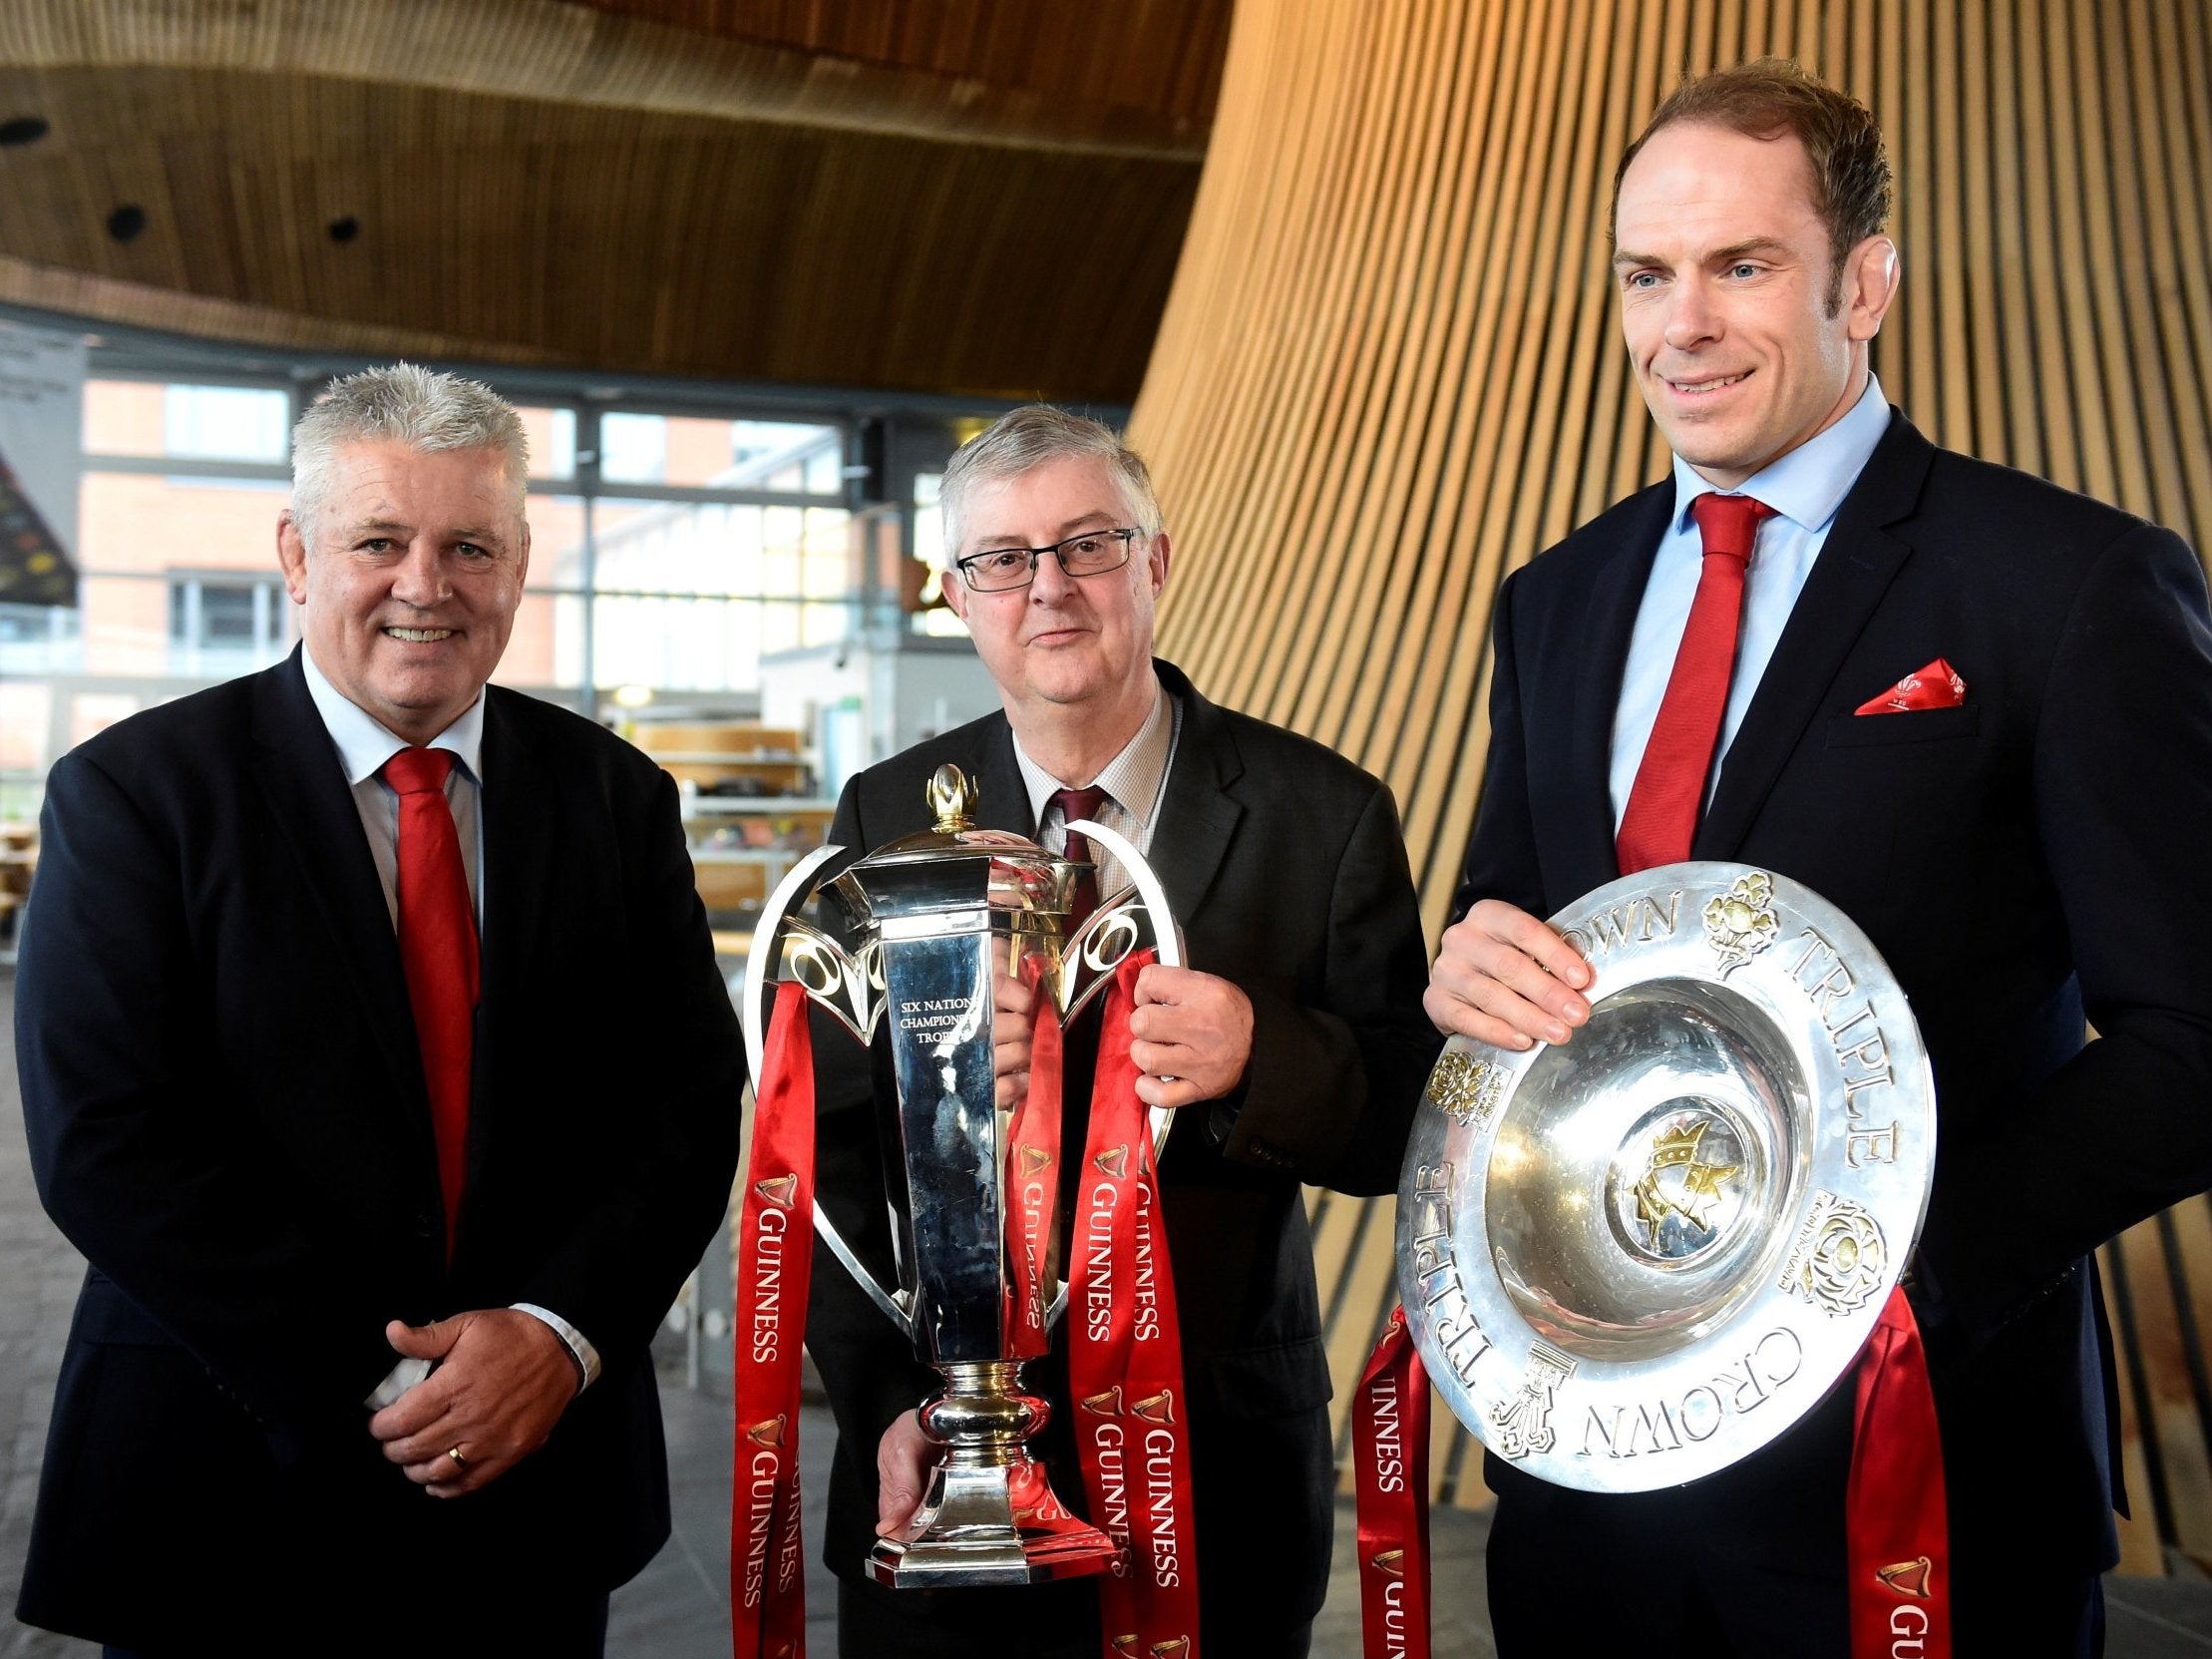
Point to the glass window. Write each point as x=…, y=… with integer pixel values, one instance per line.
x=228, y=423
x=721, y=454
x=552, y=441
x=224, y=625
x=633, y=449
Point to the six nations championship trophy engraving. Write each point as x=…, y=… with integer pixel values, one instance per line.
x=1630, y=1260
x=936, y=919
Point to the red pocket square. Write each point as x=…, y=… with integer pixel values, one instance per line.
x=1936, y=687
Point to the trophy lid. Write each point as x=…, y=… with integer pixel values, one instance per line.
x=955, y=864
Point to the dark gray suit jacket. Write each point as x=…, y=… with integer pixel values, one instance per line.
x=1284, y=864
x=227, y=1117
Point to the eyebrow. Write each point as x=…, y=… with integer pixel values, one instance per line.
x=468, y=533
x=1718, y=256
x=1073, y=527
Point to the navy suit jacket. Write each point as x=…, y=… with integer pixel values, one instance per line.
x=227, y=1117
x=1283, y=865
x=2034, y=855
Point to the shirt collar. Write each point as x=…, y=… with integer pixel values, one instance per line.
x=1131, y=780
x=364, y=744
x=1808, y=485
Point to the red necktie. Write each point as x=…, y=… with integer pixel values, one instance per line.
x=438, y=950
x=1669, y=784
x=1075, y=804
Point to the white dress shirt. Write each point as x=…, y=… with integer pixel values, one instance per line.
x=1134, y=781
x=364, y=745
x=1804, y=487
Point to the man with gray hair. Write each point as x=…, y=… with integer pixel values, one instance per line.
x=1292, y=1046
x=374, y=1055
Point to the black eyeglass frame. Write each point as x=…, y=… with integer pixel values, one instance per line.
x=1123, y=533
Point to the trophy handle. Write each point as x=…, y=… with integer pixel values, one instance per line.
x=1098, y=946
x=766, y=954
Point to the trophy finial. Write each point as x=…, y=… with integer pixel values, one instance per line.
x=952, y=799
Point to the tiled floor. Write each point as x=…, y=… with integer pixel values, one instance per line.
x=678, y=1608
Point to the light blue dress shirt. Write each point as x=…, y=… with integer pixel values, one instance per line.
x=1804, y=487
x=364, y=744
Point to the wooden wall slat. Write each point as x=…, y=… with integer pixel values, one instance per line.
x=1389, y=370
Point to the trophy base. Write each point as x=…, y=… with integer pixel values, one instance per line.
x=965, y=1533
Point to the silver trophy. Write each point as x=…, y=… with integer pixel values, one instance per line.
x=1631, y=1259
x=937, y=918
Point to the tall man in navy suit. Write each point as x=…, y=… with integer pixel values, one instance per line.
x=374, y=1055
x=2024, y=842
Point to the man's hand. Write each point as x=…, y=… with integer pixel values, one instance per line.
x=1014, y=1009
x=902, y=1460
x=1505, y=978
x=504, y=1380
x=1191, y=1036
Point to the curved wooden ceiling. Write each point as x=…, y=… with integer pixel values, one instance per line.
x=933, y=194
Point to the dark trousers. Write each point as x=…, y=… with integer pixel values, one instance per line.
x=1046, y=1621
x=547, y=1626
x=1628, y=1574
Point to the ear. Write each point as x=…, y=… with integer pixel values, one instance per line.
x=1156, y=561
x=1870, y=278
x=955, y=587
x=522, y=562
x=292, y=556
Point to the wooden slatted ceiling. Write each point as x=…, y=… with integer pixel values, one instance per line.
x=1390, y=372
x=1162, y=57
x=542, y=183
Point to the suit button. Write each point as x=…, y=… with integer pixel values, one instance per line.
x=426, y=1224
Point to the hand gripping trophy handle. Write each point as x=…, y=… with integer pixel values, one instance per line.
x=939, y=918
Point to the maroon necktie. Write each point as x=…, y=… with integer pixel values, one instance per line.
x=1662, y=818
x=1075, y=804
x=438, y=949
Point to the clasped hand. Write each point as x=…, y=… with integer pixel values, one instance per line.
x=1190, y=1037
x=502, y=1380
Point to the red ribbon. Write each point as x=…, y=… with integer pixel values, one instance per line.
x=1125, y=1362
x=775, y=1252
x=1032, y=1146
x=1390, y=1451
x=1896, y=1517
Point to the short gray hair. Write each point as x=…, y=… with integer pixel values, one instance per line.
x=1026, y=438
x=408, y=404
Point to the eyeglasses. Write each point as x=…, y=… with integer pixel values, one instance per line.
x=1002, y=570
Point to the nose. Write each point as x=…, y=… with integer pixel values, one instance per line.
x=420, y=577
x=1691, y=318
x=1051, y=585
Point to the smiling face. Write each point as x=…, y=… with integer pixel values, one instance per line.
x=410, y=589
x=1063, y=646
x=1724, y=270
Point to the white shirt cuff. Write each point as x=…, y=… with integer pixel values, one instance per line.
x=578, y=1345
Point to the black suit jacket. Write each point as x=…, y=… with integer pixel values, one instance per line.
x=1283, y=865
x=2036, y=853
x=227, y=1117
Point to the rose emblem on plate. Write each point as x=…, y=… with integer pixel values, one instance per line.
x=1839, y=1257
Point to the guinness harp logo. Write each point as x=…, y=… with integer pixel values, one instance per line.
x=1124, y=1644
x=1034, y=1160
x=778, y=1190
x=1908, y=1578
x=768, y=1431
x=1113, y=1161
x=1173, y=1648
x=1106, y=1403
x=1390, y=1563
x=1158, y=1407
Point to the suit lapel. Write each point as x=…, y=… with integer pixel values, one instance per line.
x=1197, y=815
x=1855, y=567
x=1617, y=596
x=519, y=794
x=1001, y=794
x=298, y=772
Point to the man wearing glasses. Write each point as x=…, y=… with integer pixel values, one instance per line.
x=1295, y=1039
